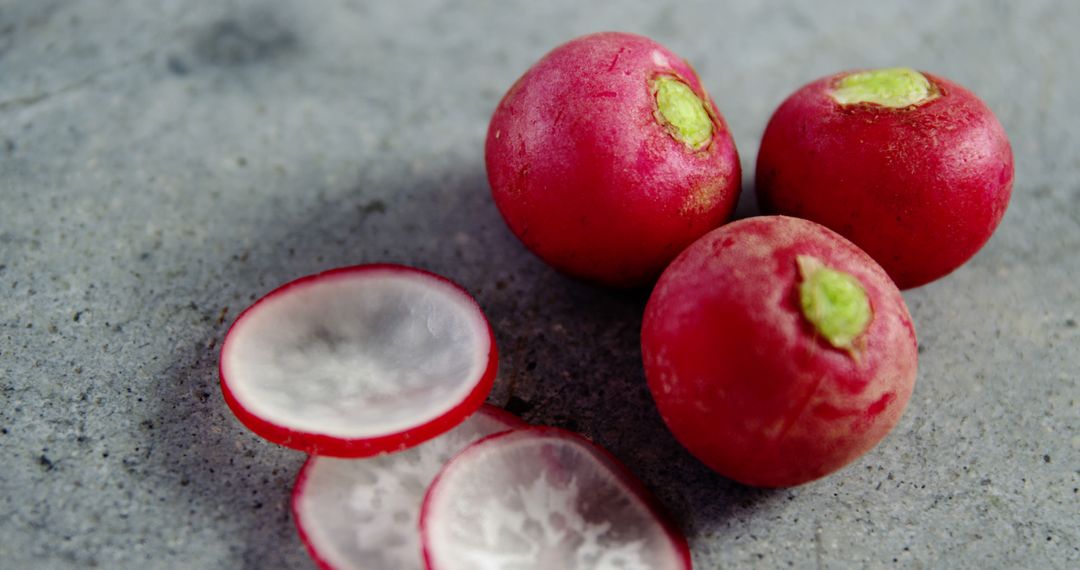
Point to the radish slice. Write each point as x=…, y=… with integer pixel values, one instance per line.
x=362, y=513
x=544, y=498
x=358, y=361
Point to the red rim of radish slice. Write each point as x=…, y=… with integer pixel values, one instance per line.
x=267, y=399
x=318, y=512
x=608, y=469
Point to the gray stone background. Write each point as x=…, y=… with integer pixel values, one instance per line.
x=163, y=164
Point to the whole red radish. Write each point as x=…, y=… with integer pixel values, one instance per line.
x=912, y=167
x=607, y=158
x=777, y=351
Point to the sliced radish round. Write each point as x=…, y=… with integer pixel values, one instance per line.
x=544, y=498
x=358, y=361
x=362, y=513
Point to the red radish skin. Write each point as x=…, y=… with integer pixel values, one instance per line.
x=367, y=540
x=920, y=188
x=743, y=379
x=547, y=446
x=587, y=173
x=314, y=442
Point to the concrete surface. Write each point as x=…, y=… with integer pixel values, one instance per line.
x=164, y=163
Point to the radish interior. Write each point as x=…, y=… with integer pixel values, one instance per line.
x=357, y=354
x=362, y=513
x=525, y=501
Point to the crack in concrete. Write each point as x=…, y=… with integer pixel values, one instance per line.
x=34, y=99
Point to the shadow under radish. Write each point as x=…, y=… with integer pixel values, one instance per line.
x=747, y=207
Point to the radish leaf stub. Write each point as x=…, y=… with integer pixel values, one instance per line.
x=833, y=301
x=895, y=87
x=682, y=112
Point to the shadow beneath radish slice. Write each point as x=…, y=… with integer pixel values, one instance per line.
x=195, y=453
x=198, y=456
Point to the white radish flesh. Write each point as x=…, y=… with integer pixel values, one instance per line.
x=329, y=361
x=542, y=498
x=361, y=514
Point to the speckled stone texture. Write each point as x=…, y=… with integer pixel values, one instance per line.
x=162, y=164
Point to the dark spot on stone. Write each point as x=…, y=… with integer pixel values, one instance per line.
x=248, y=39
x=985, y=482
x=257, y=506
x=1046, y=459
x=1070, y=323
x=176, y=65
x=241, y=161
x=46, y=463
x=373, y=207
x=530, y=366
x=9, y=146
x=3, y=431
x=144, y=256
x=184, y=482
x=922, y=348
x=518, y=406
x=76, y=316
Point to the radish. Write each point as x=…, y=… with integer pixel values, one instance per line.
x=358, y=361
x=544, y=498
x=912, y=167
x=777, y=351
x=607, y=158
x=362, y=513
